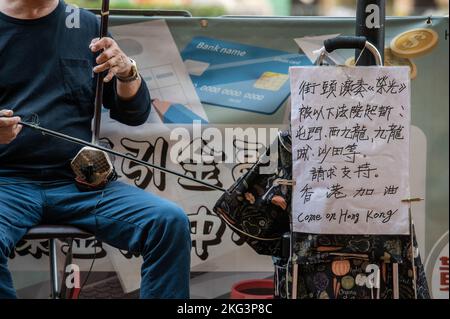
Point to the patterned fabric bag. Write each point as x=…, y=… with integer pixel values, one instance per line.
x=349, y=266
x=257, y=206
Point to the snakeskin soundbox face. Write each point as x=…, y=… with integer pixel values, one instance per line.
x=92, y=167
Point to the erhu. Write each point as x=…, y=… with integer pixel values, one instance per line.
x=92, y=167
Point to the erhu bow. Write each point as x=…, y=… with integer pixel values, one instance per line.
x=92, y=167
x=112, y=152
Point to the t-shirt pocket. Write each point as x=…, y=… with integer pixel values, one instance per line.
x=78, y=81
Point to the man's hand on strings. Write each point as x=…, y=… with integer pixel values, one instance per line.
x=112, y=58
x=9, y=126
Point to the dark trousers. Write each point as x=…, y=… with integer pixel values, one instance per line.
x=120, y=215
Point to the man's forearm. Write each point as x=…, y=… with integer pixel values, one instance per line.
x=128, y=90
x=127, y=98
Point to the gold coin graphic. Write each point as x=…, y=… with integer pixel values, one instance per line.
x=392, y=60
x=414, y=43
x=350, y=61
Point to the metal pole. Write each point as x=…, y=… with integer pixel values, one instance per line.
x=370, y=22
x=53, y=268
x=63, y=291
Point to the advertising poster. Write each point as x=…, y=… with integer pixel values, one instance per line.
x=233, y=73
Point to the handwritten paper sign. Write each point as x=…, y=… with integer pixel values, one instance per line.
x=350, y=149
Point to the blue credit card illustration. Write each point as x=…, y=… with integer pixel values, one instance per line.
x=240, y=76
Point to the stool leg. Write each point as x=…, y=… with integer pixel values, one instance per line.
x=63, y=291
x=53, y=268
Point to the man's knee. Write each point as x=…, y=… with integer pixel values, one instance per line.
x=171, y=225
x=174, y=217
x=169, y=221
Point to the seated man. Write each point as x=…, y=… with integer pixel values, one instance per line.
x=47, y=70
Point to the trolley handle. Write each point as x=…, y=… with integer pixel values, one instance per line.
x=344, y=42
x=348, y=42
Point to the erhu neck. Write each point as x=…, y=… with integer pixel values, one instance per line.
x=104, y=16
